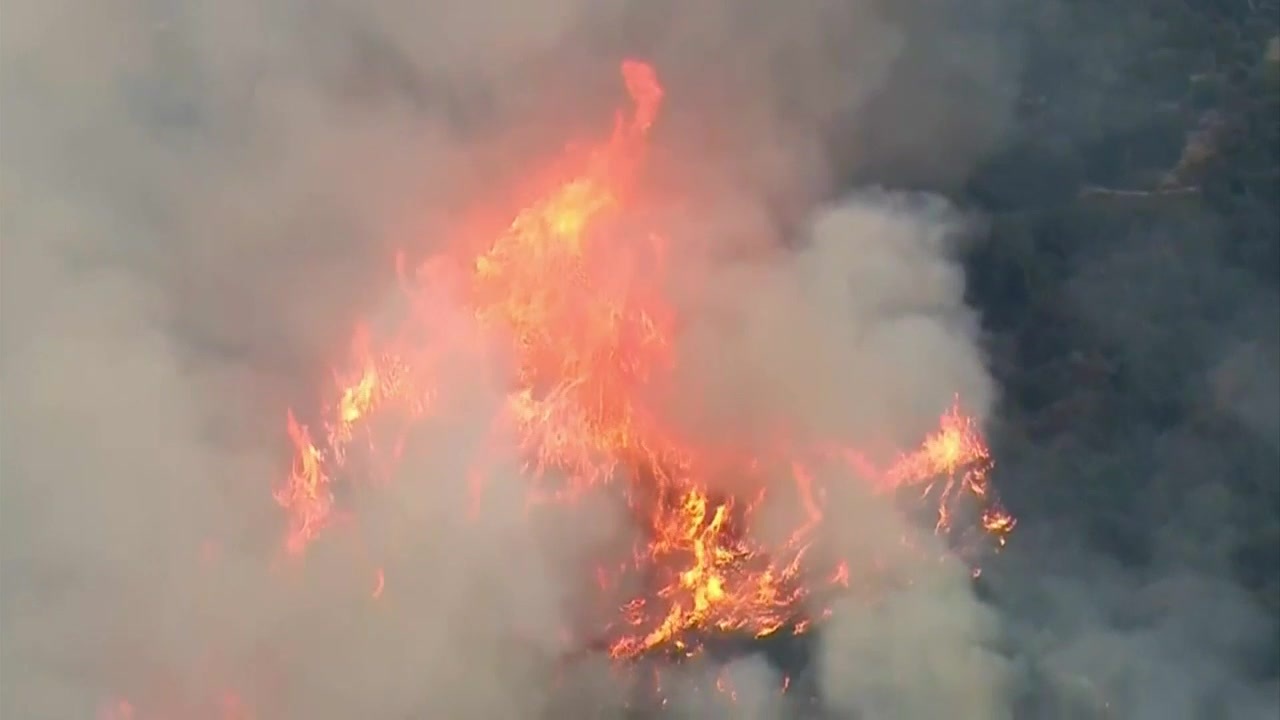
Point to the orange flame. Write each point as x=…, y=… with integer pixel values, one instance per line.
x=577, y=299
x=229, y=706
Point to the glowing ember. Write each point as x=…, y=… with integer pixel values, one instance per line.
x=577, y=299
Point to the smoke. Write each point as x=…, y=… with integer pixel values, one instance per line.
x=861, y=333
x=198, y=202
x=873, y=291
x=1151, y=508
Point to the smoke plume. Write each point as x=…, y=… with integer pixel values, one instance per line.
x=200, y=200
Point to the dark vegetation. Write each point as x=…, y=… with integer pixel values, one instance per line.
x=1136, y=238
x=1130, y=290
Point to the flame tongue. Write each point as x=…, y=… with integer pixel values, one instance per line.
x=578, y=301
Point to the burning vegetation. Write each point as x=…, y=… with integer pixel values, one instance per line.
x=572, y=300
x=576, y=299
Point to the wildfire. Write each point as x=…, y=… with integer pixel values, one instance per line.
x=577, y=298
x=228, y=707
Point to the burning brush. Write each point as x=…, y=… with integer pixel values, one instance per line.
x=581, y=309
x=575, y=301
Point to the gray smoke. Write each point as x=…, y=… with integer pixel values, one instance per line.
x=1127, y=597
x=200, y=201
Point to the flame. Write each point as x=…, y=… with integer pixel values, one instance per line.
x=229, y=706
x=120, y=709
x=575, y=297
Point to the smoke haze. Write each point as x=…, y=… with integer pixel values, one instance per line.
x=198, y=201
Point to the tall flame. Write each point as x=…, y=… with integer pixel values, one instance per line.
x=577, y=298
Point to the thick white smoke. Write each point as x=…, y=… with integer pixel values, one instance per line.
x=862, y=333
x=198, y=201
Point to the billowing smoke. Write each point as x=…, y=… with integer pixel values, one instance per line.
x=862, y=332
x=1140, y=597
x=198, y=203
